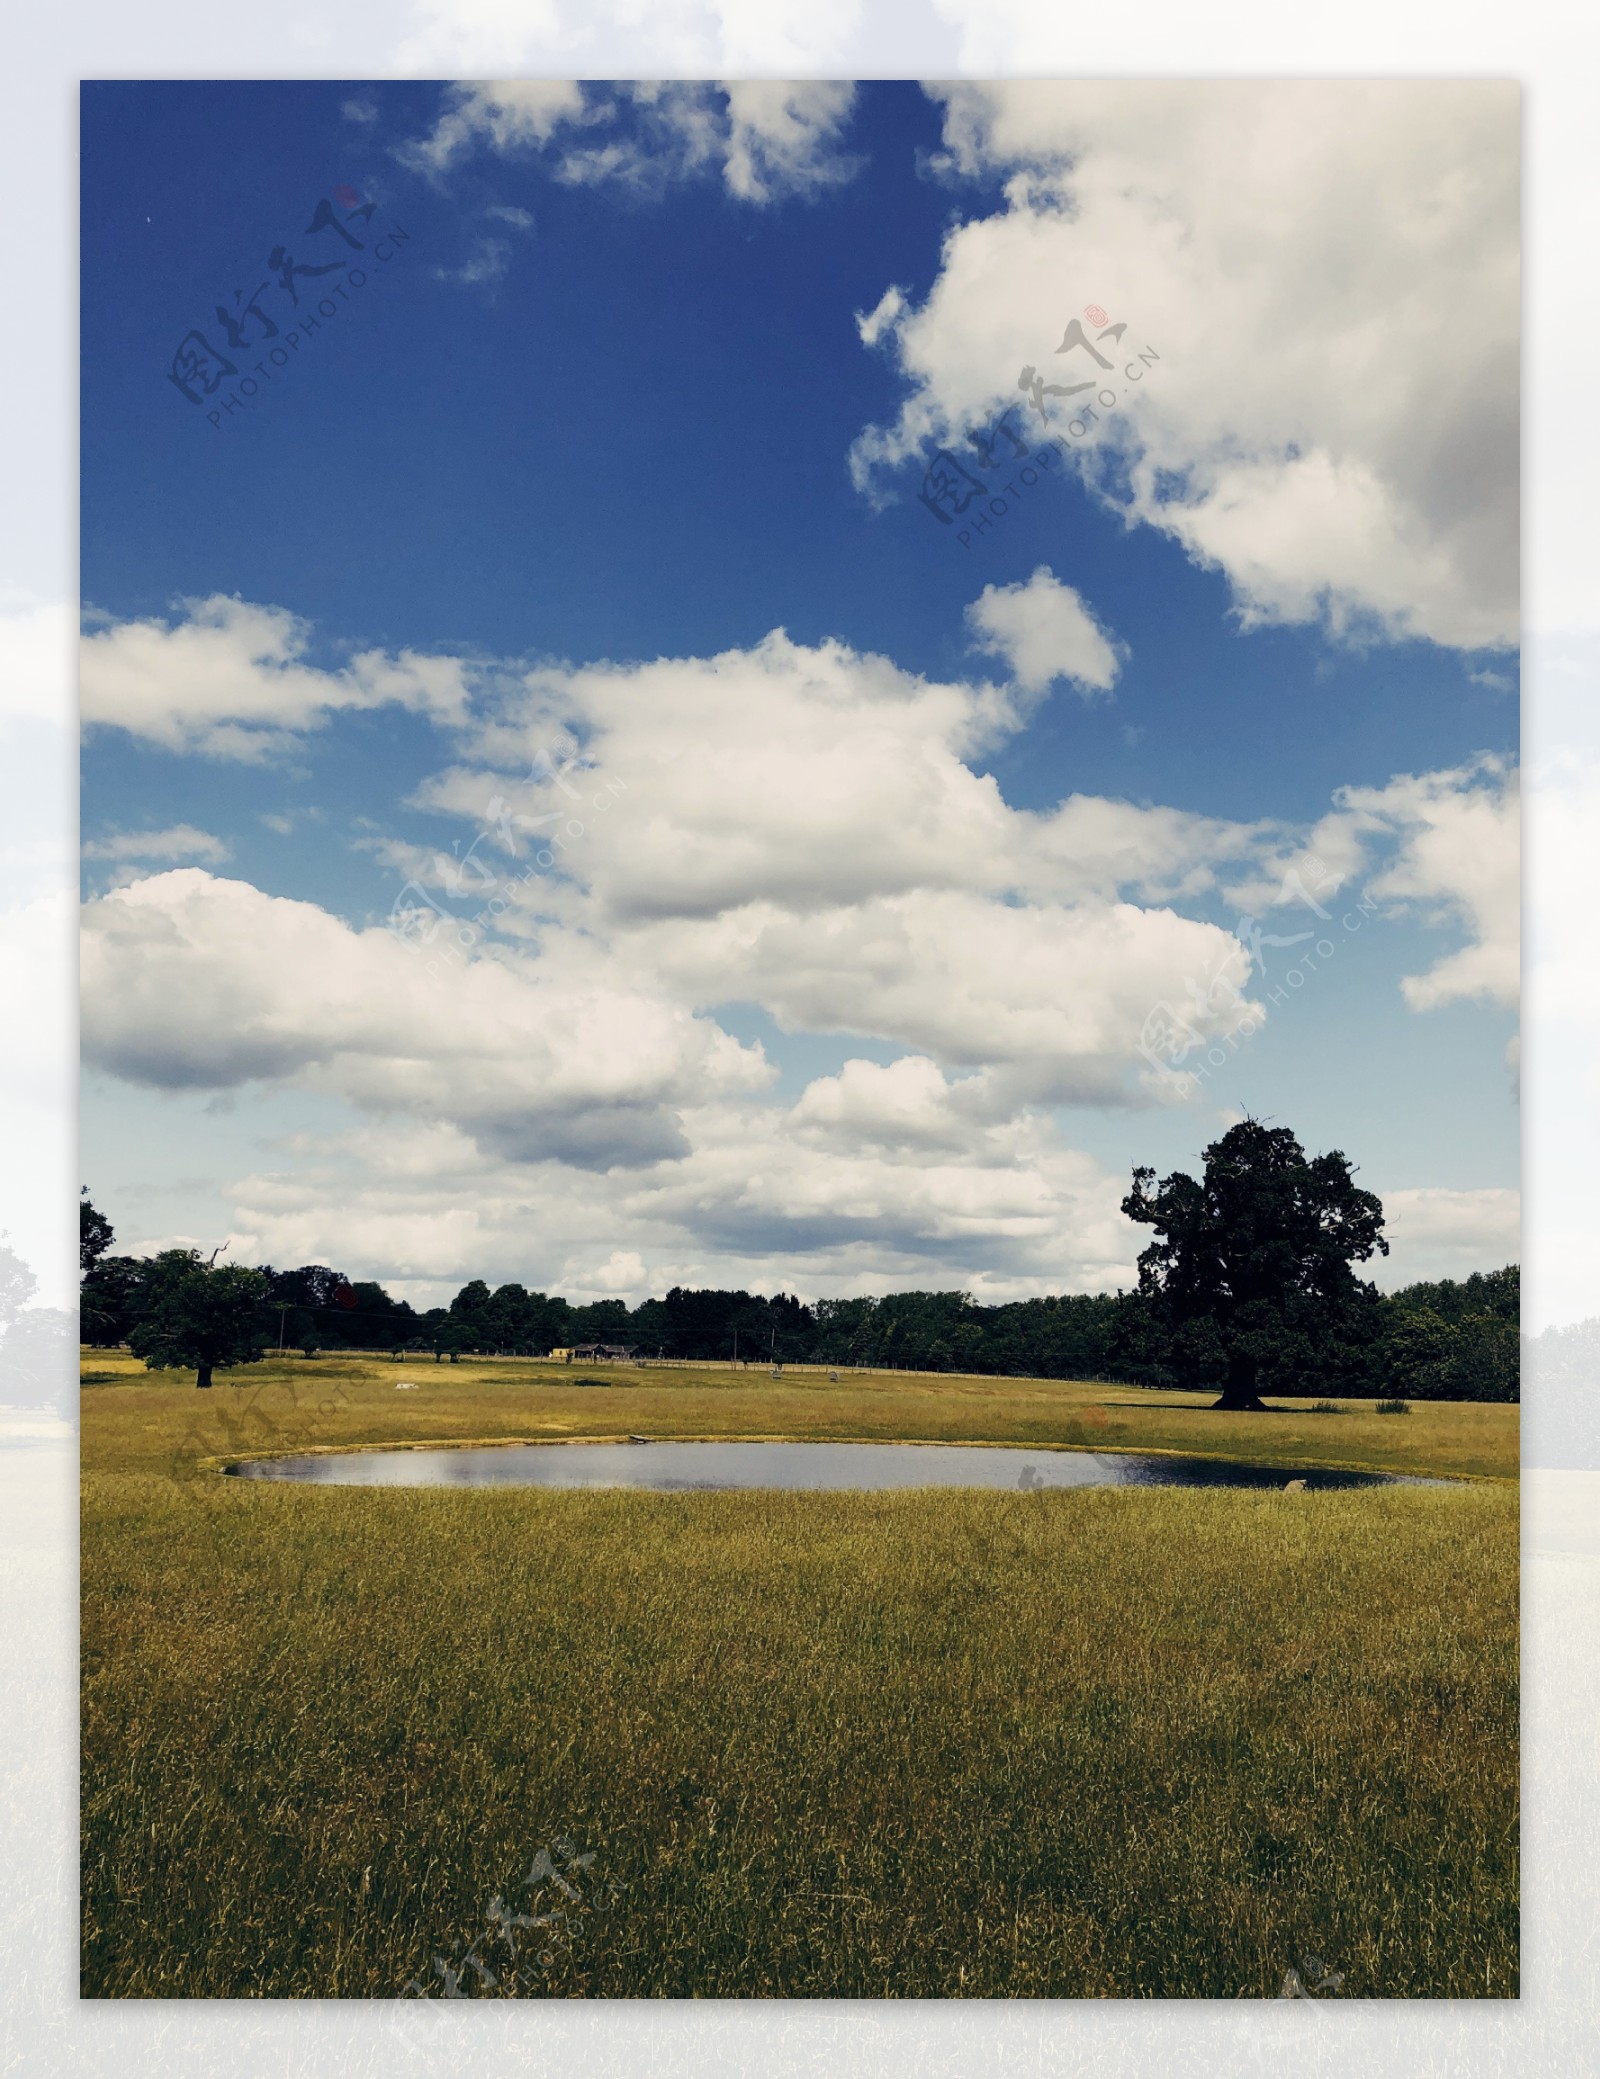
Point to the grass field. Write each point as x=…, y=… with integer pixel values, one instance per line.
x=1094, y=1742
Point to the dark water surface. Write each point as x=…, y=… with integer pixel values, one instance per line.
x=673, y=1467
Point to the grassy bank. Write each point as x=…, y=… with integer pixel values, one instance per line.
x=1093, y=1742
x=153, y=1420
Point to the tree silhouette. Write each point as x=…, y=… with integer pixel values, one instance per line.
x=95, y=1233
x=1251, y=1278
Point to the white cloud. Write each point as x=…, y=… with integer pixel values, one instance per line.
x=1447, y=1234
x=180, y=841
x=1053, y=998
x=622, y=1272
x=1451, y=842
x=767, y=138
x=798, y=827
x=1321, y=422
x=1460, y=859
x=1044, y=632
x=782, y=136
x=508, y=115
x=884, y=315
x=806, y=777
x=755, y=1202
x=228, y=679
x=193, y=982
x=906, y=1107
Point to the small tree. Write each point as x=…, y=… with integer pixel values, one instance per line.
x=1251, y=1279
x=199, y=1316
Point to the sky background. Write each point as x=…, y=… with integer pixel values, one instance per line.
x=849, y=983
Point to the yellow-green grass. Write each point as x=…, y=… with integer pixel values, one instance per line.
x=149, y=1420
x=1079, y=1742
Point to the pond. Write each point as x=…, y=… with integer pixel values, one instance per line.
x=681, y=1467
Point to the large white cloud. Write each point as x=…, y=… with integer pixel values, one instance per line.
x=1328, y=271
x=806, y=777
x=1052, y=998
x=194, y=982
x=798, y=827
x=228, y=679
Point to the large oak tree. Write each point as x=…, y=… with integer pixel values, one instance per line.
x=1251, y=1279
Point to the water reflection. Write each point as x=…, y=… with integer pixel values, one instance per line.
x=675, y=1467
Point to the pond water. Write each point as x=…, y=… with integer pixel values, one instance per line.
x=675, y=1467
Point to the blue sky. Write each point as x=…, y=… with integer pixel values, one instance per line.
x=611, y=403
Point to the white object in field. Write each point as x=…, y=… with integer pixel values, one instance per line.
x=1295, y=1487
x=405, y=1385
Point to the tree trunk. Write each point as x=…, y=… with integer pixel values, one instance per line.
x=203, y=1378
x=438, y=1357
x=1239, y=1393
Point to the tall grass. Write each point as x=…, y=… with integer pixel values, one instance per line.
x=1095, y=1742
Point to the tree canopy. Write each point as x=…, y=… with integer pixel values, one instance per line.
x=1251, y=1279
x=199, y=1315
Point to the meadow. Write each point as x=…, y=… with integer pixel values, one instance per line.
x=1102, y=1742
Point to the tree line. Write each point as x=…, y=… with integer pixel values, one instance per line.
x=1248, y=1287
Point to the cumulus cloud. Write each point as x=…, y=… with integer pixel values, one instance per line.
x=1053, y=998
x=806, y=777
x=190, y=982
x=227, y=679
x=1320, y=422
x=758, y=1201
x=1451, y=842
x=797, y=826
x=1044, y=632
x=1460, y=860
x=766, y=138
